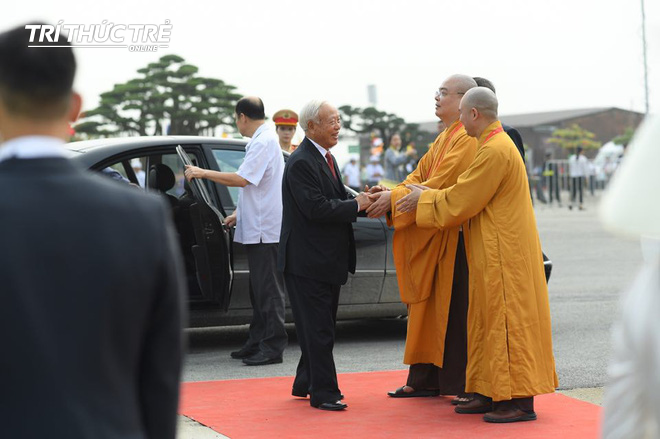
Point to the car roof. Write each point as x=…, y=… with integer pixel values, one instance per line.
x=92, y=151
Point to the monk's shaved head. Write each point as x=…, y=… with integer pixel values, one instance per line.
x=483, y=99
x=461, y=83
x=448, y=97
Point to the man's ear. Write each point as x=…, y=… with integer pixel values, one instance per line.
x=474, y=113
x=74, y=107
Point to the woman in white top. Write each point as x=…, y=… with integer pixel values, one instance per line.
x=577, y=169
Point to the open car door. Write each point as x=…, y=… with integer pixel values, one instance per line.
x=212, y=243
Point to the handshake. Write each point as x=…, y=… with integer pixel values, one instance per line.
x=377, y=200
x=374, y=201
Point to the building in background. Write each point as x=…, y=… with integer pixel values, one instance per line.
x=536, y=128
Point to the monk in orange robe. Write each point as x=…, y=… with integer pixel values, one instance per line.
x=431, y=264
x=510, y=355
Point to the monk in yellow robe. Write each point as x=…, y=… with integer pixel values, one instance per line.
x=510, y=355
x=431, y=264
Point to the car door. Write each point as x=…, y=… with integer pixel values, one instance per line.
x=211, y=251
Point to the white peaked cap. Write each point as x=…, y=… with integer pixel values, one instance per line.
x=631, y=203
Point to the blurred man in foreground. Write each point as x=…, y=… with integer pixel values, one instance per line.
x=510, y=357
x=92, y=285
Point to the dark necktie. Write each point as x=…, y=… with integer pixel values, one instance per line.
x=331, y=163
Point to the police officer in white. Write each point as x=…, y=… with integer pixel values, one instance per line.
x=258, y=220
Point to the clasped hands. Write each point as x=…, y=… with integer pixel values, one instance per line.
x=380, y=199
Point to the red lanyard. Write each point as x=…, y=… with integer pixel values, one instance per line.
x=492, y=133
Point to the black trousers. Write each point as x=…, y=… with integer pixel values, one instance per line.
x=314, y=305
x=576, y=186
x=267, y=332
x=553, y=188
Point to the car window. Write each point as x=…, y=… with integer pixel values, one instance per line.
x=229, y=160
x=135, y=168
x=138, y=164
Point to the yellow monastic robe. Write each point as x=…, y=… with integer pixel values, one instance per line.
x=509, y=332
x=424, y=258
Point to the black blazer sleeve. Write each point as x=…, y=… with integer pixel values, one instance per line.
x=303, y=179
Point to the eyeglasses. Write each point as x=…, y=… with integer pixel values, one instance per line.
x=333, y=122
x=445, y=93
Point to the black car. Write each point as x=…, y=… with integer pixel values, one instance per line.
x=216, y=267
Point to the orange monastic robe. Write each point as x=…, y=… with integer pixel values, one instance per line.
x=509, y=332
x=424, y=258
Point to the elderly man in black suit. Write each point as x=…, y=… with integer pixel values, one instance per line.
x=91, y=283
x=317, y=250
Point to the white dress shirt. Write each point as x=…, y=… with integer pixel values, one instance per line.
x=259, y=217
x=323, y=152
x=32, y=147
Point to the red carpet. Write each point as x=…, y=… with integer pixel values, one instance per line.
x=264, y=407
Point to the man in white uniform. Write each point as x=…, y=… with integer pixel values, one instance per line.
x=352, y=174
x=258, y=219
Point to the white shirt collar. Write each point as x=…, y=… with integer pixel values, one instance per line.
x=321, y=149
x=32, y=147
x=259, y=130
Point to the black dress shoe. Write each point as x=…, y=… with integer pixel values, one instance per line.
x=243, y=353
x=512, y=415
x=332, y=406
x=259, y=359
x=303, y=394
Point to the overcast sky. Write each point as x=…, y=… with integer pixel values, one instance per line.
x=542, y=55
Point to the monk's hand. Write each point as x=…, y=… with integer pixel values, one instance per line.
x=375, y=189
x=409, y=202
x=193, y=172
x=381, y=204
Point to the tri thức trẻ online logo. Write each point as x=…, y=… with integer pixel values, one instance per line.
x=134, y=37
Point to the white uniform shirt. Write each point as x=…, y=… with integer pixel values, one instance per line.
x=374, y=172
x=259, y=217
x=352, y=174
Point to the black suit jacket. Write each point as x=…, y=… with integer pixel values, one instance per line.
x=92, y=300
x=517, y=139
x=317, y=235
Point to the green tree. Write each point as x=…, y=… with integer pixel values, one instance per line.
x=624, y=139
x=572, y=137
x=368, y=120
x=168, y=93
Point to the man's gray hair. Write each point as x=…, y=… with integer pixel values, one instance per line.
x=483, y=99
x=311, y=112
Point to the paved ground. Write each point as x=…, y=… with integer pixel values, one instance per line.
x=591, y=267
